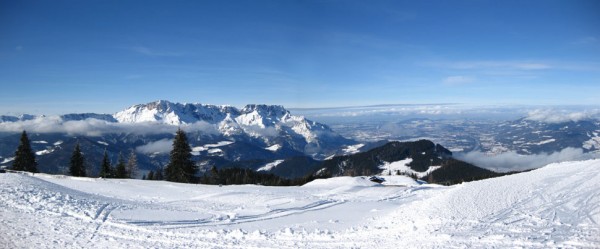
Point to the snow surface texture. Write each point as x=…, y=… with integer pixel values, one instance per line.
x=557, y=206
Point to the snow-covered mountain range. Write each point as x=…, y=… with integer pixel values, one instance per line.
x=263, y=121
x=265, y=132
x=266, y=122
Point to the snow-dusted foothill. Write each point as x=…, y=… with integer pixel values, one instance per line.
x=557, y=206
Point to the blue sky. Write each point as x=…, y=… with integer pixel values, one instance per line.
x=103, y=56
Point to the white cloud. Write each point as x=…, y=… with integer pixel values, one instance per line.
x=458, y=80
x=160, y=146
x=530, y=66
x=559, y=116
x=512, y=161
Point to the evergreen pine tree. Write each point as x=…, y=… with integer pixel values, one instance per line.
x=105, y=168
x=120, y=170
x=77, y=167
x=150, y=175
x=132, y=165
x=24, y=156
x=181, y=167
x=158, y=174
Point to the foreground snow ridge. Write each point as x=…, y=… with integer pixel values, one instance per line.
x=556, y=206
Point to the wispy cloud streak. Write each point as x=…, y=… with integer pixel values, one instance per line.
x=151, y=52
x=512, y=65
x=457, y=80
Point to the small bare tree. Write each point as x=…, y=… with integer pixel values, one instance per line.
x=132, y=166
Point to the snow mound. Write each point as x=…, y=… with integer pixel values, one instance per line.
x=399, y=181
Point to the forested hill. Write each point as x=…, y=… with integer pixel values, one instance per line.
x=426, y=157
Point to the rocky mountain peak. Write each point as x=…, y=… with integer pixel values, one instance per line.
x=265, y=110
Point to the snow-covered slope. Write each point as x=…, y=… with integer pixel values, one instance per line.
x=557, y=206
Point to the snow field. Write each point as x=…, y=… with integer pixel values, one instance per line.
x=557, y=206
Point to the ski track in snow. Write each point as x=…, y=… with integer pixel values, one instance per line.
x=276, y=213
x=557, y=206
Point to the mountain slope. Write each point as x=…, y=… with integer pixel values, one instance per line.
x=454, y=171
x=293, y=167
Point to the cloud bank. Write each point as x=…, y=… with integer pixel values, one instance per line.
x=441, y=110
x=560, y=116
x=95, y=127
x=160, y=146
x=512, y=161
